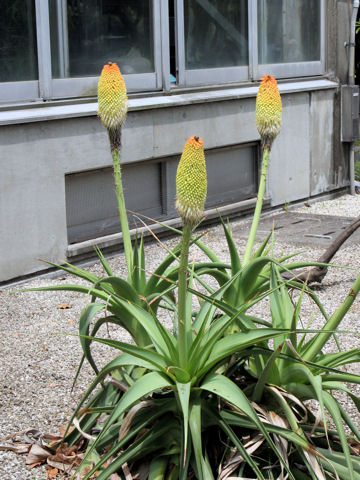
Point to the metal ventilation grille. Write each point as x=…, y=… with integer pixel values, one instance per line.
x=150, y=190
x=91, y=207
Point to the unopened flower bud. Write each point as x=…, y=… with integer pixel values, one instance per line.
x=268, y=110
x=191, y=183
x=112, y=101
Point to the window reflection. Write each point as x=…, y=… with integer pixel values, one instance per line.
x=18, y=53
x=216, y=33
x=86, y=34
x=288, y=31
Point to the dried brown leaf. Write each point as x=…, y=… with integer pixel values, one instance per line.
x=120, y=385
x=65, y=458
x=37, y=454
x=315, y=465
x=127, y=473
x=63, y=467
x=30, y=435
x=64, y=306
x=20, y=448
x=78, y=428
x=53, y=437
x=126, y=424
x=64, y=449
x=355, y=445
x=236, y=458
x=33, y=465
x=51, y=472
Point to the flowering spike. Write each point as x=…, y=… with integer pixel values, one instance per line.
x=112, y=102
x=268, y=110
x=191, y=183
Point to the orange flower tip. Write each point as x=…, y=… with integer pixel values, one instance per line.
x=195, y=141
x=265, y=78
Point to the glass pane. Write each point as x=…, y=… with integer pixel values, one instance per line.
x=288, y=31
x=216, y=33
x=87, y=34
x=18, y=54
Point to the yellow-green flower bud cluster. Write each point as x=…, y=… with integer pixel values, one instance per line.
x=112, y=101
x=268, y=110
x=191, y=182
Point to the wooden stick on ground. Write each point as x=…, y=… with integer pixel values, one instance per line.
x=317, y=274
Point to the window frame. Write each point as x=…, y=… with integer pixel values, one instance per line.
x=19, y=91
x=205, y=76
x=293, y=69
x=254, y=71
x=56, y=88
x=28, y=90
x=48, y=88
x=87, y=86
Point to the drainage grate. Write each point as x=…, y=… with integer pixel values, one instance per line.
x=307, y=229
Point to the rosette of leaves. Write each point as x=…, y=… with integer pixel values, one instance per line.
x=161, y=385
x=202, y=382
x=281, y=377
x=237, y=404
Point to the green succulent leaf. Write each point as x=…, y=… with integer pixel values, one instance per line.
x=120, y=287
x=74, y=270
x=87, y=315
x=158, y=468
x=249, y=277
x=235, y=344
x=332, y=406
x=103, y=261
x=183, y=390
x=203, y=469
x=139, y=275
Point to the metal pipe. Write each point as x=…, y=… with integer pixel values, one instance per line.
x=351, y=80
x=351, y=77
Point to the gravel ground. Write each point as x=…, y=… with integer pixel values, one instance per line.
x=345, y=206
x=38, y=364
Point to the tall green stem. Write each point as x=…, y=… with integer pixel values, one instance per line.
x=122, y=210
x=183, y=322
x=258, y=208
x=320, y=339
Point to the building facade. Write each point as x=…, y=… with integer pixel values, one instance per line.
x=192, y=67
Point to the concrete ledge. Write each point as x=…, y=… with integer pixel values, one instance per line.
x=56, y=112
x=116, y=239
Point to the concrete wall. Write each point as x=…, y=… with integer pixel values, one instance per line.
x=35, y=158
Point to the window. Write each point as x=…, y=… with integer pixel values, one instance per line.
x=18, y=41
x=18, y=50
x=213, y=43
x=53, y=49
x=87, y=34
x=290, y=35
